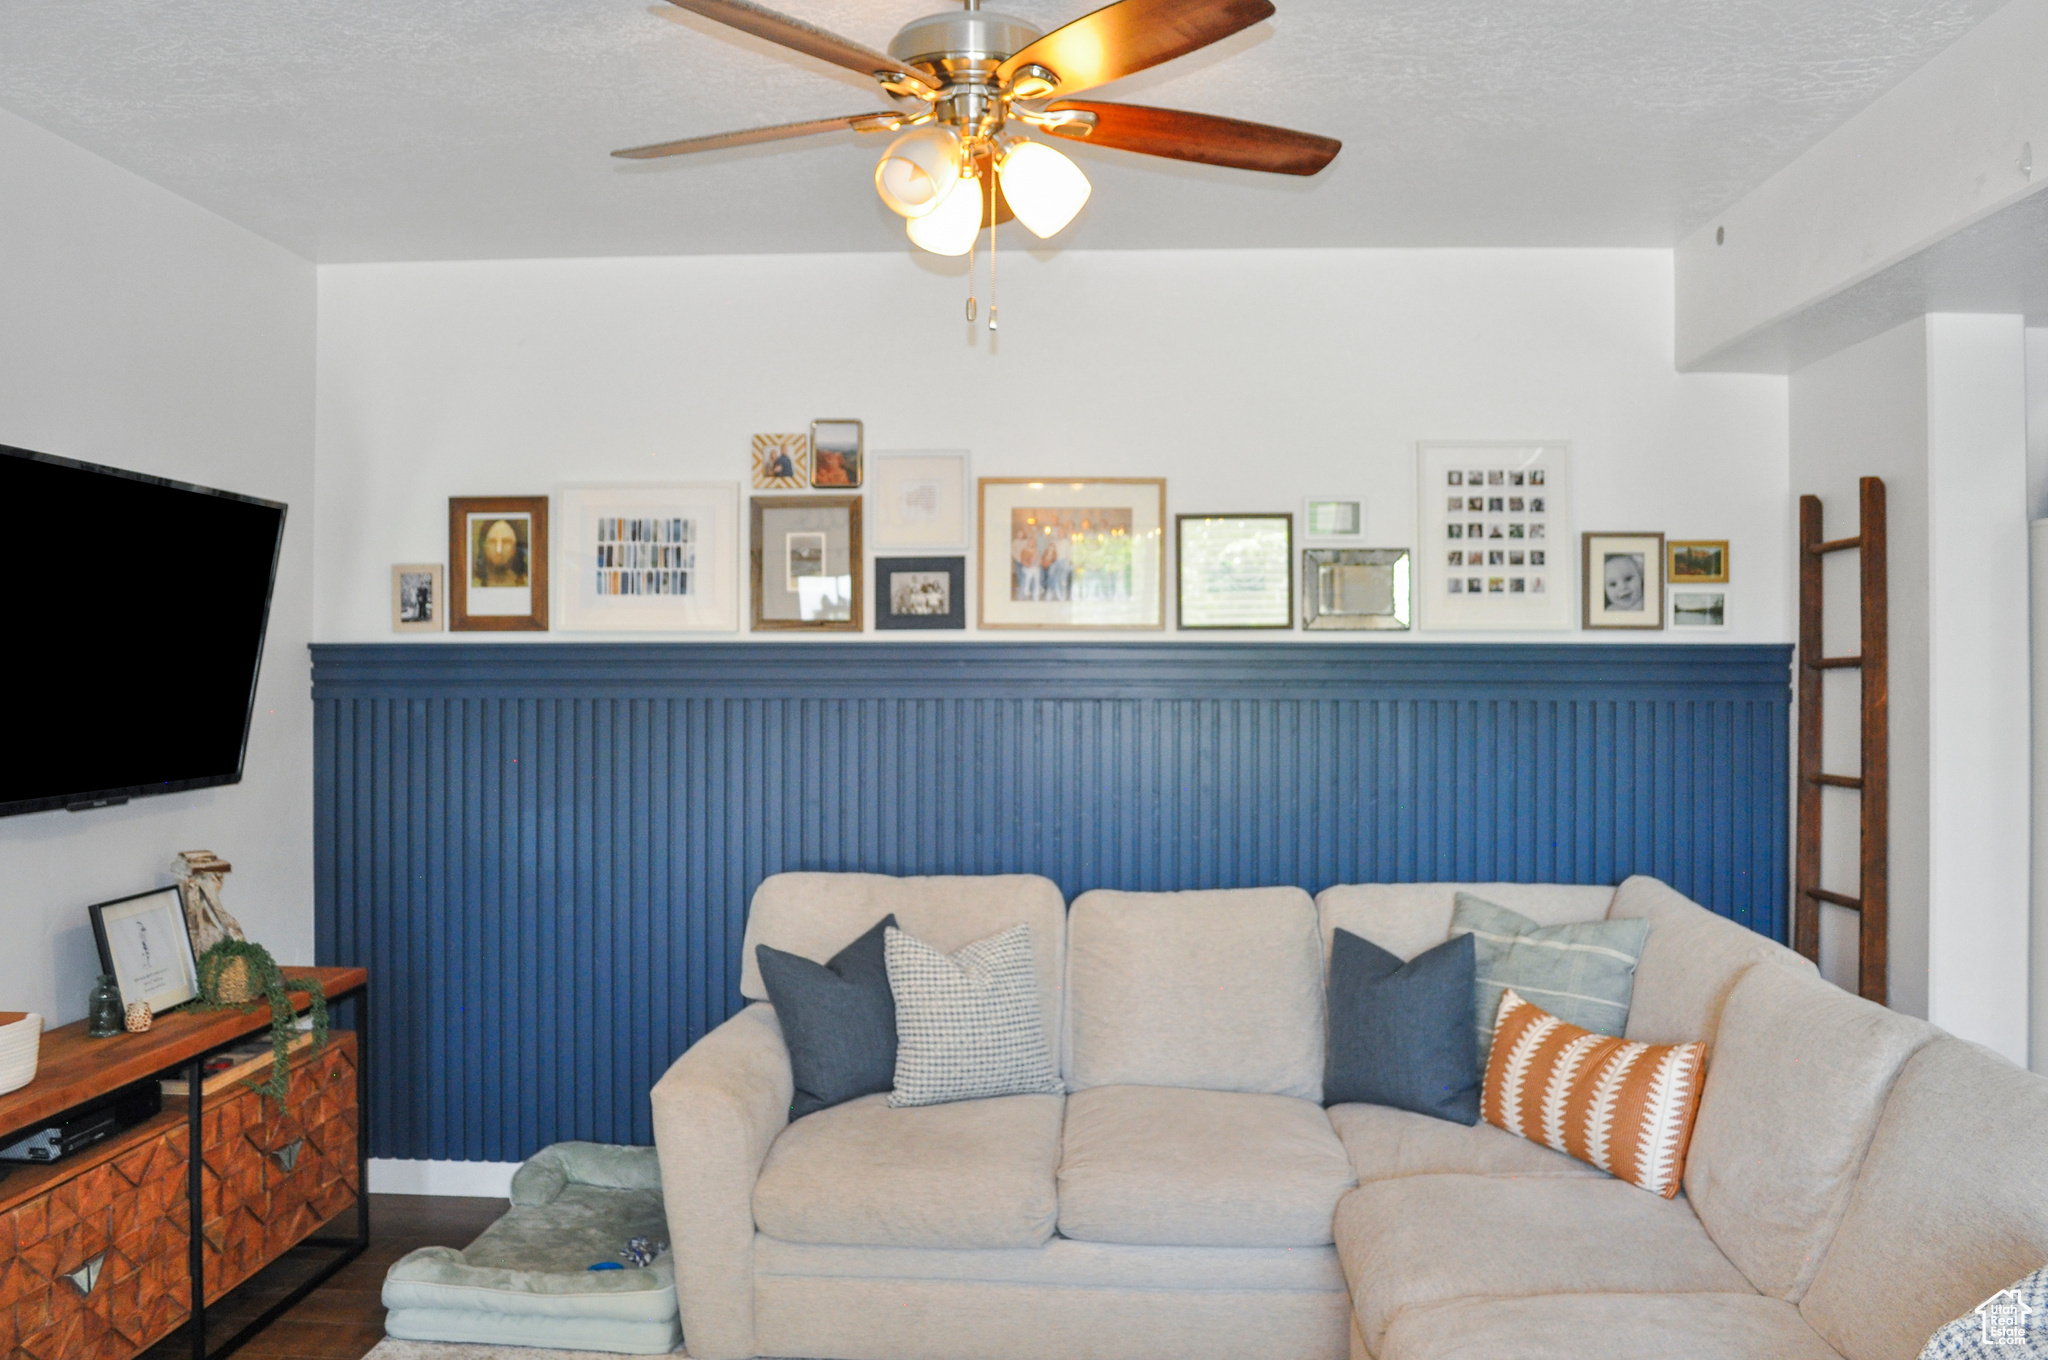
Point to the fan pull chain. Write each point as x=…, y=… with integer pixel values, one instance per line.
x=970, y=277
x=991, y=262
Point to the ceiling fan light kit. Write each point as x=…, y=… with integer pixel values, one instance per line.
x=952, y=227
x=956, y=170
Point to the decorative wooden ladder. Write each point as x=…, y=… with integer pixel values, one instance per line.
x=1873, y=782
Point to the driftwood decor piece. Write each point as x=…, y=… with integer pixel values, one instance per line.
x=199, y=874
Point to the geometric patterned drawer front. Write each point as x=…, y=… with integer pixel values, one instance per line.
x=94, y=1267
x=270, y=1179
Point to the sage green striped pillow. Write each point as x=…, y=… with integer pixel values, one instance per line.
x=1582, y=973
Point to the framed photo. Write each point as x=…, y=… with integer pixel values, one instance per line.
x=920, y=592
x=1338, y=519
x=1624, y=580
x=1235, y=571
x=806, y=563
x=1701, y=608
x=782, y=462
x=145, y=942
x=1697, y=561
x=416, y=597
x=1072, y=553
x=648, y=558
x=1496, y=530
x=835, y=454
x=1356, y=588
x=921, y=500
x=498, y=563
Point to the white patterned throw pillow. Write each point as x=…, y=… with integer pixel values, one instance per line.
x=967, y=1024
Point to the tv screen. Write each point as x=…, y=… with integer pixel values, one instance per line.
x=136, y=608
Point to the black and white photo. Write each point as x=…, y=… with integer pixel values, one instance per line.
x=920, y=592
x=1624, y=580
x=416, y=597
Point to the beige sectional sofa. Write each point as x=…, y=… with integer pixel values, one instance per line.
x=1856, y=1177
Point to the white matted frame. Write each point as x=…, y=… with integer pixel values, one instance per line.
x=1336, y=520
x=648, y=558
x=1520, y=531
x=920, y=498
x=1698, y=609
x=1623, y=580
x=1108, y=567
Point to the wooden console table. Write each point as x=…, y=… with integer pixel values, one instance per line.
x=90, y=1245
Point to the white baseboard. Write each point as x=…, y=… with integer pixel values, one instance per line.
x=396, y=1176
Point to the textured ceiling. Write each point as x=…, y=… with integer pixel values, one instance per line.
x=449, y=129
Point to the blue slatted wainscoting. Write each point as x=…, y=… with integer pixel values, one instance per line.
x=544, y=851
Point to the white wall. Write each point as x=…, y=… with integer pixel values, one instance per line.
x=1247, y=378
x=139, y=330
x=1937, y=408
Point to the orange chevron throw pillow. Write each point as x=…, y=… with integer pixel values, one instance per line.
x=1626, y=1108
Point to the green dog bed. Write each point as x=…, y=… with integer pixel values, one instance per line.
x=527, y=1280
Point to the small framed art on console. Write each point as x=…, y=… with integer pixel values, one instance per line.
x=1495, y=525
x=1073, y=553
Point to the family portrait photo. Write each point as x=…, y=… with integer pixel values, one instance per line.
x=1067, y=554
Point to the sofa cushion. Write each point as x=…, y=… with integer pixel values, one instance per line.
x=967, y=1023
x=1606, y=1327
x=1400, y=1032
x=1169, y=1166
x=838, y=1019
x=1581, y=972
x=1800, y=1073
x=1430, y=1239
x=1219, y=990
x=975, y=1173
x=817, y=915
x=1690, y=963
x=1407, y=918
x=1385, y=1143
x=1626, y=1108
x=1953, y=1198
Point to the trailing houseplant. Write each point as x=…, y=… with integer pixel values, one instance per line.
x=242, y=974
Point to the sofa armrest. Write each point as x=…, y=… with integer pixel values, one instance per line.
x=715, y=1113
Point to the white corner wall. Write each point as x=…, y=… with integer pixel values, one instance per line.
x=143, y=332
x=1937, y=407
x=1247, y=378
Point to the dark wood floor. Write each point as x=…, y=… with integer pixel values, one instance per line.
x=344, y=1318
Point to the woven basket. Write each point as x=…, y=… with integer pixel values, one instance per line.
x=20, y=1042
x=235, y=985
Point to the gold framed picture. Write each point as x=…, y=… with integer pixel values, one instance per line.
x=498, y=563
x=1624, y=580
x=1697, y=561
x=782, y=462
x=1080, y=553
x=836, y=454
x=806, y=563
x=416, y=597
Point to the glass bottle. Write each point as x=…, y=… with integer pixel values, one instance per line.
x=103, y=1009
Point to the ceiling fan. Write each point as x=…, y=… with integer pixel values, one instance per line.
x=959, y=167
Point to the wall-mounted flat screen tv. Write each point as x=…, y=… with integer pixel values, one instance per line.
x=135, y=609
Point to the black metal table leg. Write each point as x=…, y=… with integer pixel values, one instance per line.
x=195, y=1194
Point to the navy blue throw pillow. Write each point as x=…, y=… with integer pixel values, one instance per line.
x=1401, y=1033
x=839, y=1020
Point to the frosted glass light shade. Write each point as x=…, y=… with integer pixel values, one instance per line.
x=1044, y=188
x=918, y=171
x=950, y=229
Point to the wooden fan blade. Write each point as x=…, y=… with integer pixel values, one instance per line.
x=806, y=38
x=1199, y=137
x=1131, y=35
x=859, y=122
